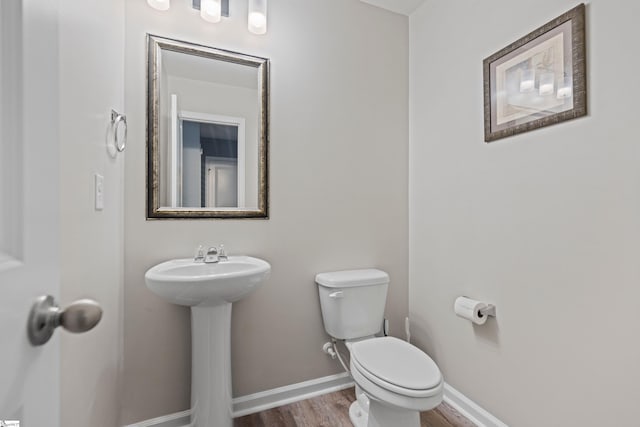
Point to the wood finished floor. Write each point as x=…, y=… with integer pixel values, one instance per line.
x=332, y=410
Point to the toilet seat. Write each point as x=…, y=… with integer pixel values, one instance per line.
x=397, y=366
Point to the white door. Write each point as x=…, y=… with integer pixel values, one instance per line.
x=29, y=266
x=221, y=184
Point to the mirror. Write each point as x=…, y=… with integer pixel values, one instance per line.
x=207, y=132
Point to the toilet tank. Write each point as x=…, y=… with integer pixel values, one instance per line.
x=353, y=302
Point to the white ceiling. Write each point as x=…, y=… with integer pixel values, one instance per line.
x=403, y=7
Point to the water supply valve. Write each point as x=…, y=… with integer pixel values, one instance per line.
x=328, y=349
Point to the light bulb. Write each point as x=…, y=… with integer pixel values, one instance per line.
x=159, y=4
x=257, y=19
x=211, y=10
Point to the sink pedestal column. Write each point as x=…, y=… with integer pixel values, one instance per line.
x=211, y=403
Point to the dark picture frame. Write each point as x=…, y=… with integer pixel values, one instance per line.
x=539, y=80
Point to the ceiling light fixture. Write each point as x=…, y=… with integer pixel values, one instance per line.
x=211, y=10
x=257, y=19
x=214, y=10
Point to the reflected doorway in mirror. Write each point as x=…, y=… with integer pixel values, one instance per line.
x=207, y=162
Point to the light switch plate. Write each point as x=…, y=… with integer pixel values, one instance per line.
x=99, y=191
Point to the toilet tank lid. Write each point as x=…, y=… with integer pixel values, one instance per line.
x=351, y=278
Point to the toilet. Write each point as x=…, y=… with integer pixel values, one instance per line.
x=394, y=379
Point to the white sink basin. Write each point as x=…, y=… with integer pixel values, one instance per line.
x=185, y=282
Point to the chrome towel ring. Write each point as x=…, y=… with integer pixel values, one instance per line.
x=118, y=119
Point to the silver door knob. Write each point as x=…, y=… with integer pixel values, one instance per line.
x=46, y=316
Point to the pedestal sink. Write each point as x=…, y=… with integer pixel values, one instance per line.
x=209, y=289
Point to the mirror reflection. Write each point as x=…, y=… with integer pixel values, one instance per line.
x=207, y=134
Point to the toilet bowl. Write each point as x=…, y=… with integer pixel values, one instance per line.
x=394, y=379
x=398, y=378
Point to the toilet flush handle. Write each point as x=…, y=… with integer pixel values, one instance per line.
x=337, y=294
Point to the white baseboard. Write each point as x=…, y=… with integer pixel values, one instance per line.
x=268, y=399
x=179, y=419
x=469, y=409
x=263, y=400
x=280, y=396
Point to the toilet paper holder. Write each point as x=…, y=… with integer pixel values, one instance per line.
x=489, y=310
x=478, y=312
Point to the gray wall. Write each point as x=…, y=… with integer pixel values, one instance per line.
x=91, y=40
x=544, y=224
x=339, y=133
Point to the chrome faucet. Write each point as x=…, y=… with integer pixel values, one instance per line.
x=212, y=255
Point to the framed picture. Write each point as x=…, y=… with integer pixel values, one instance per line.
x=538, y=80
